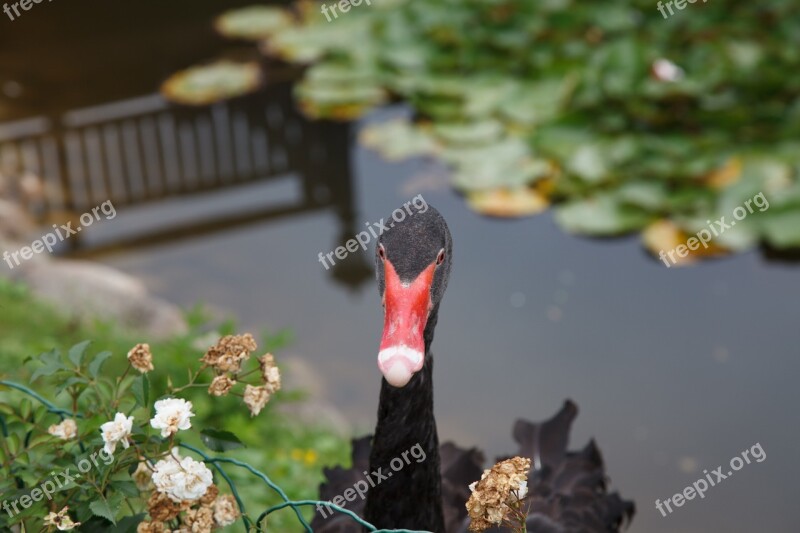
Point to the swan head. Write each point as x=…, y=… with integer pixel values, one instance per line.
x=412, y=260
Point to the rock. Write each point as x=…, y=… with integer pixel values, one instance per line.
x=15, y=223
x=87, y=291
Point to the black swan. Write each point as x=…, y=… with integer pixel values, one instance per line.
x=567, y=490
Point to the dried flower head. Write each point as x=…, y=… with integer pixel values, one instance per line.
x=162, y=508
x=66, y=430
x=221, y=385
x=226, y=511
x=211, y=494
x=141, y=358
x=496, y=496
x=151, y=527
x=184, y=481
x=200, y=520
x=117, y=431
x=230, y=352
x=255, y=398
x=142, y=476
x=172, y=414
x=270, y=373
x=60, y=520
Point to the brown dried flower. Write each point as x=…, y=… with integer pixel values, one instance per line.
x=143, y=476
x=61, y=520
x=162, y=508
x=141, y=358
x=66, y=430
x=151, y=527
x=270, y=373
x=229, y=353
x=211, y=494
x=495, y=498
x=226, y=511
x=255, y=398
x=221, y=385
x=200, y=520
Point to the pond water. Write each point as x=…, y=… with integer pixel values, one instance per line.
x=675, y=371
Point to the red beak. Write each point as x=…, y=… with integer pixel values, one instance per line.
x=402, y=351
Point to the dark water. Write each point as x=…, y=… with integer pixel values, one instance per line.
x=675, y=370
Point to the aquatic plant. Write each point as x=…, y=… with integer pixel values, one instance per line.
x=624, y=120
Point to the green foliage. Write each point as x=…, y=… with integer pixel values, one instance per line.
x=94, y=381
x=611, y=98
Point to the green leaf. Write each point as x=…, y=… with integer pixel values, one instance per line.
x=220, y=441
x=129, y=523
x=76, y=352
x=51, y=364
x=97, y=363
x=141, y=390
x=128, y=488
x=69, y=382
x=100, y=508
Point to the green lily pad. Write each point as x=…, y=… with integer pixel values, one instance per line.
x=602, y=215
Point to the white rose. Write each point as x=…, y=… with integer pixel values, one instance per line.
x=185, y=481
x=117, y=431
x=172, y=414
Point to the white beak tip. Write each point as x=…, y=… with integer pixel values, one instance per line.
x=397, y=375
x=398, y=364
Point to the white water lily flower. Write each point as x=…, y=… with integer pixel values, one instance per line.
x=66, y=430
x=117, y=431
x=172, y=414
x=186, y=480
x=666, y=70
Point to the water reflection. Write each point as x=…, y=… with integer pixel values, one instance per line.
x=143, y=151
x=674, y=370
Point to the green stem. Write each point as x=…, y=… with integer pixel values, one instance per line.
x=215, y=460
x=336, y=508
x=50, y=407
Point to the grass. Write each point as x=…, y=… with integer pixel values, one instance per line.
x=291, y=453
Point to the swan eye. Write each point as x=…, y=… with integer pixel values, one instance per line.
x=440, y=257
x=381, y=252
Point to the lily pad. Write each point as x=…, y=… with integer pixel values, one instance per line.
x=664, y=236
x=397, y=140
x=602, y=215
x=203, y=85
x=252, y=23
x=469, y=133
x=508, y=203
